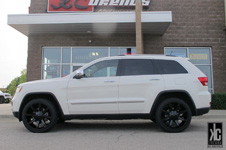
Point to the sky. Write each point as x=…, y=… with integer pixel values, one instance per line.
x=13, y=44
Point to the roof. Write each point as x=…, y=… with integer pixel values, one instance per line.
x=153, y=22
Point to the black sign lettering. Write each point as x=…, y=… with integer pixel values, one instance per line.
x=62, y=4
x=79, y=6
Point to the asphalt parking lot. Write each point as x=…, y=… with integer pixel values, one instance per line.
x=106, y=135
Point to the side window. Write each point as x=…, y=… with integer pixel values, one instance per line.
x=107, y=68
x=134, y=67
x=170, y=67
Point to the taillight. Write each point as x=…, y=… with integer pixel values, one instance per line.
x=203, y=80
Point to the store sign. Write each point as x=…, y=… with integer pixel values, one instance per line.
x=88, y=5
x=198, y=56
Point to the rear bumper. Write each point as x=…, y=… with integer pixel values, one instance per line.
x=202, y=111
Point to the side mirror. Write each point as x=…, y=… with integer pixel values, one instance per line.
x=79, y=74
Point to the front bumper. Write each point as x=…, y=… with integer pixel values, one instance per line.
x=16, y=114
x=202, y=111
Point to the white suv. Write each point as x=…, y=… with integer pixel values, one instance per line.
x=168, y=90
x=4, y=97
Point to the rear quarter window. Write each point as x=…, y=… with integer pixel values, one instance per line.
x=170, y=67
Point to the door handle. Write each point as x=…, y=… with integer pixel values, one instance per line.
x=154, y=79
x=109, y=81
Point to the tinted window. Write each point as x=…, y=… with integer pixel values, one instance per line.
x=137, y=67
x=105, y=68
x=170, y=67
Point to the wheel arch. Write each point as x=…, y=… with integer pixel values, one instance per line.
x=183, y=95
x=45, y=95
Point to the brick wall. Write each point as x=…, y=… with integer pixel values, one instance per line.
x=196, y=23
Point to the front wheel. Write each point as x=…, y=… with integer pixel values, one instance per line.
x=173, y=115
x=1, y=100
x=39, y=115
x=7, y=101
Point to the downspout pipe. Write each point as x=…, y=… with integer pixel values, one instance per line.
x=225, y=11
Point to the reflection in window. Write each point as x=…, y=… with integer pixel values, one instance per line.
x=66, y=55
x=86, y=55
x=105, y=68
x=181, y=52
x=51, y=71
x=52, y=55
x=65, y=70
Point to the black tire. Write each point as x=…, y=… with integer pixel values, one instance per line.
x=173, y=115
x=153, y=120
x=39, y=115
x=61, y=120
x=1, y=100
x=7, y=101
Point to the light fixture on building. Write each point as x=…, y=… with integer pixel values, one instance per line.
x=90, y=41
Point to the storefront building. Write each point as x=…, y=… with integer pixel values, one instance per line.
x=66, y=34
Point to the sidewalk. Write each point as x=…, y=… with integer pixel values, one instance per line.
x=5, y=112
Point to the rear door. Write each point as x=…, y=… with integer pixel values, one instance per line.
x=138, y=86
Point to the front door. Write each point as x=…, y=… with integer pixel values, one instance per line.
x=97, y=92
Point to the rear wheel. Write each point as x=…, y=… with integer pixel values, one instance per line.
x=173, y=115
x=39, y=115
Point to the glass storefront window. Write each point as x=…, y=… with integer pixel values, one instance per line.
x=52, y=55
x=114, y=51
x=182, y=52
x=207, y=71
x=86, y=55
x=51, y=71
x=65, y=70
x=66, y=55
x=61, y=61
x=199, y=56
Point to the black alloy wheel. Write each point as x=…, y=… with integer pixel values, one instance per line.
x=39, y=115
x=173, y=115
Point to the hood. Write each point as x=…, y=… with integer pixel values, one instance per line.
x=44, y=81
